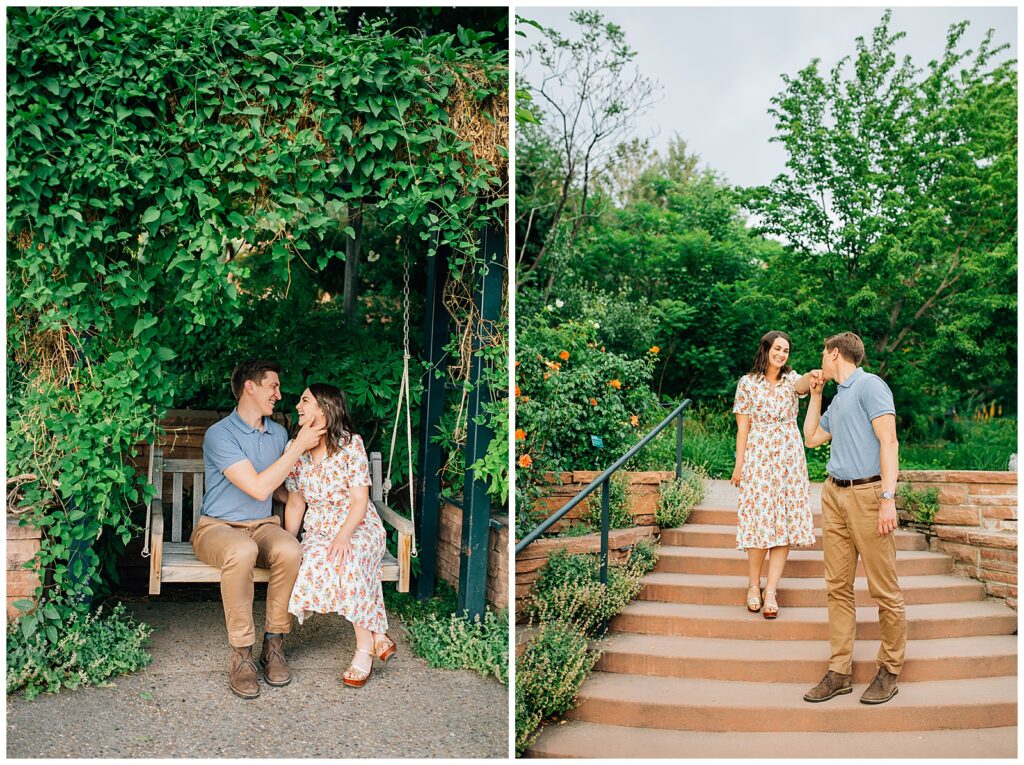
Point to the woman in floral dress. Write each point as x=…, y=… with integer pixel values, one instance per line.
x=771, y=469
x=344, y=541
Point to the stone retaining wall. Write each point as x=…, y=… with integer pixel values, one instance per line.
x=22, y=546
x=642, y=494
x=449, y=544
x=976, y=524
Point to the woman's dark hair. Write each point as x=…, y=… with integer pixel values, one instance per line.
x=340, y=426
x=760, y=366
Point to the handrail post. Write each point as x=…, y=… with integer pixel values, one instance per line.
x=679, y=446
x=605, y=512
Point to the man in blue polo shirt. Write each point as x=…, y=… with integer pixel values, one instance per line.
x=246, y=464
x=858, y=509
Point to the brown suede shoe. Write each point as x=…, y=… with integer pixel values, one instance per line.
x=882, y=688
x=243, y=679
x=275, y=668
x=832, y=684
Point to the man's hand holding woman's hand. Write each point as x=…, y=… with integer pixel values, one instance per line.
x=817, y=382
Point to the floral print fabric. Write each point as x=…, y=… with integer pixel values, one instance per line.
x=355, y=592
x=775, y=494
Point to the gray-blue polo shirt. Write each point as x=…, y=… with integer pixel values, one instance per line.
x=856, y=451
x=227, y=443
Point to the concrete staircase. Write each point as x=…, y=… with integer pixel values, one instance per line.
x=687, y=671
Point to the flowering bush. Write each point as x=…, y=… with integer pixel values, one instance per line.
x=578, y=407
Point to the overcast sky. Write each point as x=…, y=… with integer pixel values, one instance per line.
x=719, y=67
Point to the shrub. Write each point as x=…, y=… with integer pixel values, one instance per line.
x=457, y=643
x=923, y=505
x=619, y=516
x=643, y=557
x=86, y=649
x=577, y=530
x=679, y=496
x=549, y=673
x=569, y=589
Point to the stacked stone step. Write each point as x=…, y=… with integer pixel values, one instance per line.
x=687, y=671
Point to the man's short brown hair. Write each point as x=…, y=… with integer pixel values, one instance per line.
x=850, y=346
x=251, y=369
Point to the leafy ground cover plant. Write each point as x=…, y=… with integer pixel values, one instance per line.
x=679, y=496
x=923, y=505
x=80, y=649
x=448, y=640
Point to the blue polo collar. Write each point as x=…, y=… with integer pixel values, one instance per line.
x=849, y=380
x=243, y=426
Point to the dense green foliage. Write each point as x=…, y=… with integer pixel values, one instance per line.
x=182, y=184
x=922, y=505
x=73, y=650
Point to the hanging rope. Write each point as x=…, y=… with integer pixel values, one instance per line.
x=404, y=395
x=149, y=480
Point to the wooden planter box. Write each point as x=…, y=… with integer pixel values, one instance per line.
x=22, y=546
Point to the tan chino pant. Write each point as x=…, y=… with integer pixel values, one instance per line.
x=236, y=547
x=850, y=529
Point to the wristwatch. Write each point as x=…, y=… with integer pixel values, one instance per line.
x=888, y=495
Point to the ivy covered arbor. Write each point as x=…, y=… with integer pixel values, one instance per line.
x=174, y=174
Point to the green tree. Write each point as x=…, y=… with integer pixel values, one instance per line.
x=898, y=210
x=588, y=100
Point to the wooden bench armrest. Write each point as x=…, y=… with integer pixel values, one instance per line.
x=393, y=519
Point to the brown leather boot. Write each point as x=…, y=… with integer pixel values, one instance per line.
x=243, y=680
x=832, y=684
x=275, y=667
x=882, y=688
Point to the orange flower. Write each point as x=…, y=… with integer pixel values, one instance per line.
x=634, y=420
x=564, y=355
x=518, y=363
x=553, y=365
x=526, y=398
x=602, y=349
x=520, y=434
x=517, y=390
x=615, y=384
x=525, y=461
x=593, y=402
x=654, y=349
x=547, y=375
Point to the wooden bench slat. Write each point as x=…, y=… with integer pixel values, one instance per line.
x=184, y=466
x=197, y=497
x=176, y=492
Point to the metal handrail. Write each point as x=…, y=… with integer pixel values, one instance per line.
x=602, y=480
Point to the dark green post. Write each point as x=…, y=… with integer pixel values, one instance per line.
x=476, y=514
x=679, y=446
x=435, y=334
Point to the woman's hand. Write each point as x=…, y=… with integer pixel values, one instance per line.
x=737, y=474
x=341, y=548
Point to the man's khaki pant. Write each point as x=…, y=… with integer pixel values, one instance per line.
x=236, y=547
x=850, y=528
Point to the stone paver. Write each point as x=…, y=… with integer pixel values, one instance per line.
x=180, y=705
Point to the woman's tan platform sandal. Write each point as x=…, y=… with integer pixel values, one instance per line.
x=384, y=648
x=354, y=677
x=771, y=610
x=754, y=603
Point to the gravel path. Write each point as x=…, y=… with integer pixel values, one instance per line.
x=180, y=706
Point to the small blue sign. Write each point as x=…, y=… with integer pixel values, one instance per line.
x=597, y=442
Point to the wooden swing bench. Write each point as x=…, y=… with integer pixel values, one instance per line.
x=175, y=561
